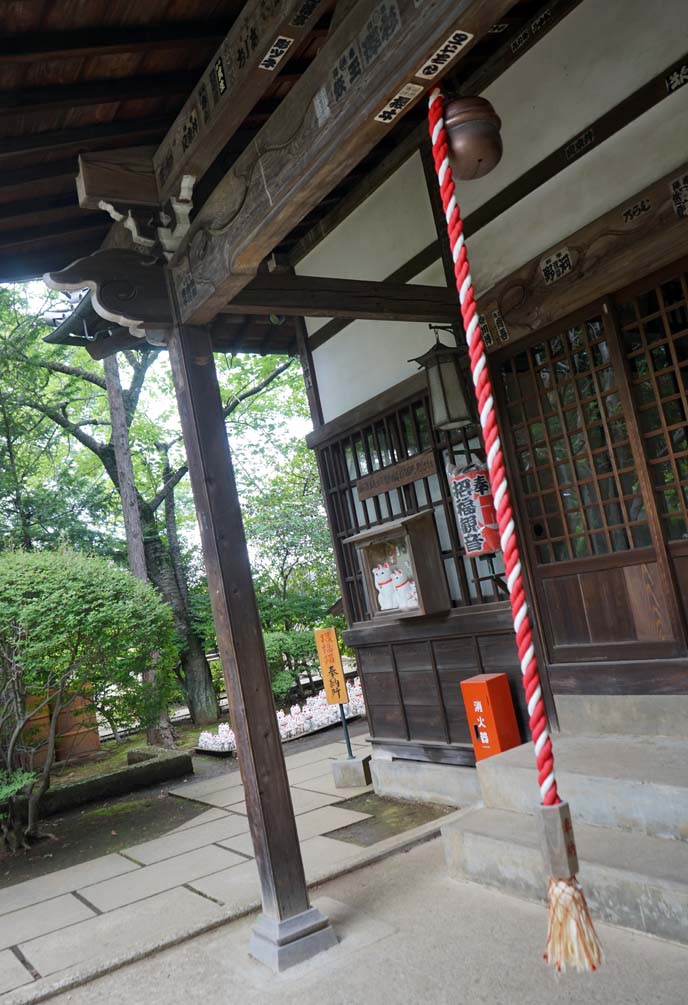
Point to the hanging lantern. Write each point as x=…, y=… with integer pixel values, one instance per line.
x=450, y=410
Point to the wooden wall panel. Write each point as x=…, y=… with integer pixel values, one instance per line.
x=418, y=687
x=648, y=607
x=425, y=722
x=387, y=721
x=564, y=602
x=607, y=606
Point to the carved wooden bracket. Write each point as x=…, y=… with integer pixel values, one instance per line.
x=128, y=288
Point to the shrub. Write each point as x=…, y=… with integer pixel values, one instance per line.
x=73, y=625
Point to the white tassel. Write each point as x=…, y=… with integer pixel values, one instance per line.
x=571, y=937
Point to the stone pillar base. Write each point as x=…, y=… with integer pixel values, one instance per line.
x=283, y=944
x=351, y=772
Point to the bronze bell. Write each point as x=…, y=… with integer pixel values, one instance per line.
x=475, y=146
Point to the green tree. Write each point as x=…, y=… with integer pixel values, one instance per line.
x=73, y=626
x=67, y=389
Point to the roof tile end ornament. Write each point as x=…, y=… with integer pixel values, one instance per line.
x=127, y=287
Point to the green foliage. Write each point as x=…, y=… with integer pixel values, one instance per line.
x=11, y=784
x=80, y=623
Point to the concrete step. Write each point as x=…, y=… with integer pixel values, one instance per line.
x=633, y=783
x=629, y=879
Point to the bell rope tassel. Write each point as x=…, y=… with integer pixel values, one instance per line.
x=571, y=938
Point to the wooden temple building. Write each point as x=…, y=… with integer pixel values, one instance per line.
x=256, y=177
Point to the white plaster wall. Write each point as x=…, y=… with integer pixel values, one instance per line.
x=385, y=231
x=638, y=155
x=603, y=51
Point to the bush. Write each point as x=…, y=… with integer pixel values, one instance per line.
x=72, y=625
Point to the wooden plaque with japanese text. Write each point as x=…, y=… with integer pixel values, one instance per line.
x=331, y=666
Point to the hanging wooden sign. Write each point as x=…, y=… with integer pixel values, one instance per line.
x=331, y=666
x=421, y=466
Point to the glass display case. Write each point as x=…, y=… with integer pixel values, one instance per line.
x=402, y=568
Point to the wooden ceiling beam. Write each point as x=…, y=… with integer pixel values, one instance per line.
x=16, y=266
x=283, y=293
x=327, y=123
x=95, y=92
x=53, y=231
x=32, y=173
x=98, y=136
x=27, y=47
x=43, y=204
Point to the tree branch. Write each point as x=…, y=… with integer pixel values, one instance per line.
x=69, y=371
x=235, y=401
x=133, y=392
x=60, y=419
x=227, y=410
x=173, y=480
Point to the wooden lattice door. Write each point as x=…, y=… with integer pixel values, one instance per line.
x=597, y=560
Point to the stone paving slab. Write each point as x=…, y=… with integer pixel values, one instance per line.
x=33, y=891
x=320, y=854
x=132, y=930
x=219, y=798
x=237, y=888
x=316, y=754
x=156, y=878
x=204, y=786
x=303, y=801
x=308, y=825
x=203, y=818
x=325, y=784
x=302, y=772
x=41, y=918
x=12, y=973
x=187, y=840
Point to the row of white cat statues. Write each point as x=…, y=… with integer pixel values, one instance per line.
x=298, y=720
x=395, y=590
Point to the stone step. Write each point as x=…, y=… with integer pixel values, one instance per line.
x=633, y=783
x=629, y=879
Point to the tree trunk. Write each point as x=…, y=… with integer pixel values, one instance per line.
x=21, y=510
x=125, y=470
x=160, y=733
x=195, y=670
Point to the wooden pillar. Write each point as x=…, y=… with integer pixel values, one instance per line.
x=289, y=930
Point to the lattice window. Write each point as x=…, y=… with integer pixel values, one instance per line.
x=654, y=327
x=581, y=490
x=390, y=438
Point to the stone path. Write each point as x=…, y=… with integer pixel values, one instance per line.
x=122, y=906
x=408, y=935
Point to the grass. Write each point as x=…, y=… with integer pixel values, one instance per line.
x=112, y=810
x=116, y=756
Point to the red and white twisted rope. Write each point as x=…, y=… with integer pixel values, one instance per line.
x=495, y=462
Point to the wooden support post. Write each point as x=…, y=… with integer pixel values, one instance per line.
x=289, y=930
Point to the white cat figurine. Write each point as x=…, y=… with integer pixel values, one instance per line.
x=386, y=594
x=405, y=589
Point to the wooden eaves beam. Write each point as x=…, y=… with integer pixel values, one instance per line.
x=522, y=34
x=258, y=45
x=96, y=92
x=84, y=137
x=326, y=124
x=26, y=47
x=314, y=297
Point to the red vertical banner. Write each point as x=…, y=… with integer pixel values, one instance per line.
x=474, y=509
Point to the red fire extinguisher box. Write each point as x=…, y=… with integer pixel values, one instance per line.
x=490, y=714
